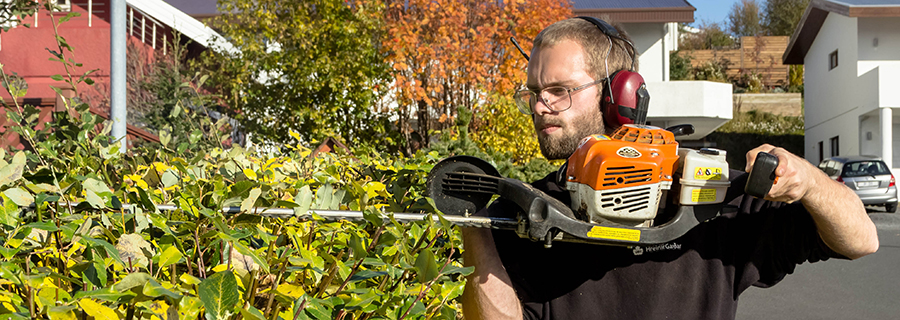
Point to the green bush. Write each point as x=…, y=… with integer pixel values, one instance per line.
x=89, y=231
x=679, y=66
x=749, y=130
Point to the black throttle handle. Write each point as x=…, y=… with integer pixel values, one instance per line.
x=762, y=176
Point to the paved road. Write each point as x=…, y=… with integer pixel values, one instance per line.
x=868, y=288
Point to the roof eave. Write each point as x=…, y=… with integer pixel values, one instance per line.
x=638, y=15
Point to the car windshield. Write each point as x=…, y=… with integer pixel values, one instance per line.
x=864, y=168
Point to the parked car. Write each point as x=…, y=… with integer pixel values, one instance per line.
x=868, y=176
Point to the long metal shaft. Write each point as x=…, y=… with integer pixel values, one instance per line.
x=337, y=215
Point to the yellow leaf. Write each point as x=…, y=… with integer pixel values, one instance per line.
x=375, y=188
x=291, y=290
x=189, y=279
x=96, y=310
x=250, y=174
x=220, y=268
x=61, y=315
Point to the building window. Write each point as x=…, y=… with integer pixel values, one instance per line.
x=821, y=152
x=64, y=5
x=833, y=60
x=835, y=146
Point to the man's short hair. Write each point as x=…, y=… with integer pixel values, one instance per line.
x=594, y=42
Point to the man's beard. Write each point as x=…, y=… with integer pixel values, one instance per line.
x=561, y=147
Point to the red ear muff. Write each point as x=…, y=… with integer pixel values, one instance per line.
x=627, y=100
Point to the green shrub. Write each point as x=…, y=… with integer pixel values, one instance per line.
x=679, y=66
x=89, y=231
x=749, y=130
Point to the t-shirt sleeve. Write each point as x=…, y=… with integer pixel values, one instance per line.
x=776, y=237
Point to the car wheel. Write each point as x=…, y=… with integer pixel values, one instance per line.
x=890, y=207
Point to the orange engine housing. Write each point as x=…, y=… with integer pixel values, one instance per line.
x=622, y=178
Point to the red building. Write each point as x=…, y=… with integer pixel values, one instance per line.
x=24, y=51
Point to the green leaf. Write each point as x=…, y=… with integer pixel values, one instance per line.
x=9, y=213
x=154, y=289
x=13, y=171
x=107, y=294
x=169, y=256
x=7, y=252
x=110, y=249
x=426, y=267
x=219, y=294
x=450, y=269
x=324, y=196
x=70, y=15
x=169, y=178
x=242, y=249
x=46, y=226
x=95, y=185
x=248, y=202
x=132, y=280
x=56, y=77
x=94, y=200
x=189, y=307
x=316, y=309
x=164, y=137
x=358, y=249
x=62, y=313
x=195, y=136
x=362, y=301
x=303, y=200
x=252, y=313
x=19, y=196
x=366, y=275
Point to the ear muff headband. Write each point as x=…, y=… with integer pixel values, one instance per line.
x=627, y=99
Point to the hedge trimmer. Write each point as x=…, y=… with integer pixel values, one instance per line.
x=618, y=185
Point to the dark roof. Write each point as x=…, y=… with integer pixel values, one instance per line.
x=195, y=8
x=636, y=11
x=815, y=14
x=869, y=2
x=628, y=4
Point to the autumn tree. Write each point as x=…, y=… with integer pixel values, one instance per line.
x=782, y=16
x=449, y=54
x=744, y=18
x=313, y=67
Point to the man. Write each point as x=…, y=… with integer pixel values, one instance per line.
x=697, y=276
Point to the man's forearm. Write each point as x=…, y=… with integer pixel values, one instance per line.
x=489, y=293
x=841, y=218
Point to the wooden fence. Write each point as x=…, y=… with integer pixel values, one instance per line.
x=760, y=55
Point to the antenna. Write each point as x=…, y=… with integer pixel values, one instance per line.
x=516, y=43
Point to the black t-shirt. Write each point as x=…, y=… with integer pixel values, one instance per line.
x=697, y=276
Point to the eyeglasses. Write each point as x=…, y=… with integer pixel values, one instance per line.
x=558, y=99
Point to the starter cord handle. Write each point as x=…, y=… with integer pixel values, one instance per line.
x=762, y=176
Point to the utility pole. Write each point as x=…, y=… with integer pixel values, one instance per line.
x=117, y=80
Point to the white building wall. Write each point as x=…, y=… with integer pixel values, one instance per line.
x=878, y=39
x=649, y=38
x=832, y=108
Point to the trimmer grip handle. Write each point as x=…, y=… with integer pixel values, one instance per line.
x=762, y=176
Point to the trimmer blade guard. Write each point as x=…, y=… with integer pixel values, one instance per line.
x=462, y=185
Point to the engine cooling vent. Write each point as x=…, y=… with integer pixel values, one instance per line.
x=625, y=176
x=631, y=200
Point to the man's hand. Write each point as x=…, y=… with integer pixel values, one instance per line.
x=840, y=216
x=795, y=174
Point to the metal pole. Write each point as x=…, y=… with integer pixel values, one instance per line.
x=117, y=84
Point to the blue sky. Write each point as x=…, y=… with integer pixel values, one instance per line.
x=711, y=10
